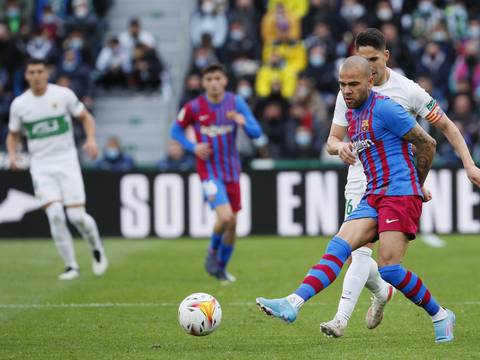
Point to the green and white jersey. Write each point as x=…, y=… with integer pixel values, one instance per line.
x=46, y=122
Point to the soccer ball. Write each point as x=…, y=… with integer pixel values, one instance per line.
x=199, y=314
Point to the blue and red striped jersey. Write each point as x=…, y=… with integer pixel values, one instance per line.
x=376, y=130
x=213, y=124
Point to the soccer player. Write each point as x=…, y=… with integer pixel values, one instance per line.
x=363, y=271
x=215, y=117
x=43, y=114
x=381, y=132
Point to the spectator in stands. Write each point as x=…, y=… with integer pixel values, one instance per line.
x=321, y=70
x=114, y=65
x=210, y=19
x=322, y=36
x=279, y=20
x=297, y=7
x=273, y=123
x=465, y=116
x=85, y=21
x=5, y=101
x=177, y=159
x=398, y=49
x=434, y=64
x=425, y=18
x=114, y=158
x=50, y=23
x=457, y=20
x=303, y=133
x=135, y=35
x=41, y=47
x=307, y=96
x=147, y=68
x=274, y=74
x=76, y=41
x=290, y=50
x=202, y=57
x=71, y=66
x=245, y=90
x=466, y=68
x=352, y=11
x=239, y=44
x=11, y=58
x=14, y=16
x=324, y=11
x=192, y=88
x=245, y=13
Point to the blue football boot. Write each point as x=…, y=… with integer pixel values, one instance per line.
x=444, y=328
x=280, y=308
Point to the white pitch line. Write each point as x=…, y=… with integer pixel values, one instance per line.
x=124, y=305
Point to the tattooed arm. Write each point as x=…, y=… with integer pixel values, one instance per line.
x=425, y=150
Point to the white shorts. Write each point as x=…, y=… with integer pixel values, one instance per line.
x=62, y=182
x=354, y=192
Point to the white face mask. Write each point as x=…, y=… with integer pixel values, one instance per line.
x=244, y=91
x=474, y=32
x=384, y=14
x=208, y=7
x=425, y=6
x=303, y=138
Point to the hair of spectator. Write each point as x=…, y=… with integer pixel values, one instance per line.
x=134, y=22
x=214, y=67
x=36, y=61
x=371, y=37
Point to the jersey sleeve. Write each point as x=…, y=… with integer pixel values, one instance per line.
x=252, y=127
x=14, y=122
x=339, y=114
x=74, y=106
x=185, y=116
x=395, y=118
x=423, y=104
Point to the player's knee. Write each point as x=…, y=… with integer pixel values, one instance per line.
x=77, y=215
x=387, y=259
x=225, y=218
x=55, y=213
x=232, y=223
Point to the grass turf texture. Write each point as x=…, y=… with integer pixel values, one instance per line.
x=136, y=315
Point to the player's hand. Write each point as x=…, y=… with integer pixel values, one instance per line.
x=13, y=162
x=473, y=174
x=345, y=152
x=203, y=150
x=91, y=148
x=427, y=194
x=238, y=118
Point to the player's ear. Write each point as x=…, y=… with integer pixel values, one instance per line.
x=386, y=53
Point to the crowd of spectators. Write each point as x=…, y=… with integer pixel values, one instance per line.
x=283, y=56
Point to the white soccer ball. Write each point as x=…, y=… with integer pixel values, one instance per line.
x=199, y=314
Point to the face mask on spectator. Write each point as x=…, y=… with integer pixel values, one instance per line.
x=317, y=60
x=48, y=19
x=384, y=14
x=81, y=11
x=237, y=35
x=439, y=36
x=245, y=91
x=112, y=153
x=38, y=41
x=201, y=62
x=208, y=7
x=352, y=11
x=474, y=32
x=13, y=12
x=303, y=138
x=76, y=43
x=302, y=91
x=69, y=65
x=425, y=7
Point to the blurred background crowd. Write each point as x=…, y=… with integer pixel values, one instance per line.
x=282, y=57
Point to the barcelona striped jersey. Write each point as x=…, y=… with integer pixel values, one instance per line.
x=376, y=130
x=214, y=124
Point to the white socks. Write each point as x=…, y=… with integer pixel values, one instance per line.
x=60, y=234
x=295, y=300
x=354, y=281
x=86, y=226
x=375, y=283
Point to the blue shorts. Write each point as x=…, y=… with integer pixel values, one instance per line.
x=363, y=210
x=216, y=193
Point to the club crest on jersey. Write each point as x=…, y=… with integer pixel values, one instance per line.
x=365, y=125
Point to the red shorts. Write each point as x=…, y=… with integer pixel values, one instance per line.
x=397, y=213
x=234, y=195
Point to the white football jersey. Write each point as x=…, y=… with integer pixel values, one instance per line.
x=46, y=122
x=404, y=91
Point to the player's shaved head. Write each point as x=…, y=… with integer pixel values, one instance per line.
x=355, y=80
x=358, y=63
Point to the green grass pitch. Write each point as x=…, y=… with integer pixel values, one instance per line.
x=131, y=312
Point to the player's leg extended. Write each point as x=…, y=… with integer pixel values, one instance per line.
x=87, y=227
x=62, y=238
x=351, y=235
